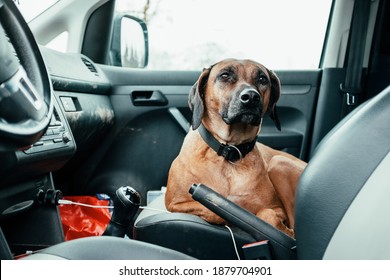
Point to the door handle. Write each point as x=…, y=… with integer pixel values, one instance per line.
x=148, y=98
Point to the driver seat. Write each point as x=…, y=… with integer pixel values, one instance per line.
x=341, y=204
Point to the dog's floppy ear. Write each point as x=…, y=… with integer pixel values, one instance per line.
x=196, y=96
x=275, y=94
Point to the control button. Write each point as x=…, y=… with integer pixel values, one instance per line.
x=66, y=137
x=68, y=104
x=57, y=140
x=40, y=143
x=29, y=151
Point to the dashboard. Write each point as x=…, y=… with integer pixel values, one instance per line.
x=82, y=111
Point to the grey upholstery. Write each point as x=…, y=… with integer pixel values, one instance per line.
x=107, y=248
x=337, y=176
x=187, y=233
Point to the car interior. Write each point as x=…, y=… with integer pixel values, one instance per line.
x=79, y=123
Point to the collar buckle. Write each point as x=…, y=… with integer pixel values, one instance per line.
x=230, y=153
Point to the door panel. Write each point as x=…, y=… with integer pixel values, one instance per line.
x=296, y=108
x=146, y=138
x=148, y=135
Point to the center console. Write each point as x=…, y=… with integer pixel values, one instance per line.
x=26, y=224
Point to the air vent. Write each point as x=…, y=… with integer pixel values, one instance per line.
x=90, y=66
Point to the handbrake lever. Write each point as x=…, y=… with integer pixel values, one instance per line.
x=241, y=218
x=227, y=209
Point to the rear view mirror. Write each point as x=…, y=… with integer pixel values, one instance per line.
x=129, y=43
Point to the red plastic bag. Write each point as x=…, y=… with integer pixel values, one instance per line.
x=81, y=221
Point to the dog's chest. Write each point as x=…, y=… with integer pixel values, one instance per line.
x=251, y=186
x=245, y=183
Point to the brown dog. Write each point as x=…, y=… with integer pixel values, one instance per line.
x=229, y=101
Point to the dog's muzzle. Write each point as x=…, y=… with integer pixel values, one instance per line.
x=245, y=107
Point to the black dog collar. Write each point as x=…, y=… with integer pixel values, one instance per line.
x=231, y=153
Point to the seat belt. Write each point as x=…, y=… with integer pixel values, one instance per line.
x=353, y=84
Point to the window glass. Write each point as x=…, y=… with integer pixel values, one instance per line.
x=32, y=8
x=60, y=42
x=191, y=34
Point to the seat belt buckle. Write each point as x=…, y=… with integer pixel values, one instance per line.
x=351, y=99
x=257, y=251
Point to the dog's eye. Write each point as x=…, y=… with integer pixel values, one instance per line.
x=225, y=75
x=263, y=80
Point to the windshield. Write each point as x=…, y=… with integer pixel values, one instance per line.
x=30, y=9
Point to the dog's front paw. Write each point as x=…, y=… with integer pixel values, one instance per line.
x=290, y=232
x=274, y=219
x=197, y=209
x=213, y=218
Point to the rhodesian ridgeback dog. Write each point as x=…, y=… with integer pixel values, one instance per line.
x=228, y=102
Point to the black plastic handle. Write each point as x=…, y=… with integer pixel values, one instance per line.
x=226, y=209
x=239, y=217
x=148, y=98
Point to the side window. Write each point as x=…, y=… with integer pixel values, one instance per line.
x=60, y=42
x=192, y=34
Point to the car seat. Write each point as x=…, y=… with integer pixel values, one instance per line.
x=341, y=203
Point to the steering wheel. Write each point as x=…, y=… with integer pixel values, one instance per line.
x=25, y=89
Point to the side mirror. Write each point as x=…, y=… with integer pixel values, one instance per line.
x=129, y=42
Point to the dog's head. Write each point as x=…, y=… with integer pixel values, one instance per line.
x=239, y=91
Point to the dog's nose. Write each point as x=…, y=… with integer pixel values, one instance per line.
x=250, y=97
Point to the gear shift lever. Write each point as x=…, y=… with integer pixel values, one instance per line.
x=126, y=204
